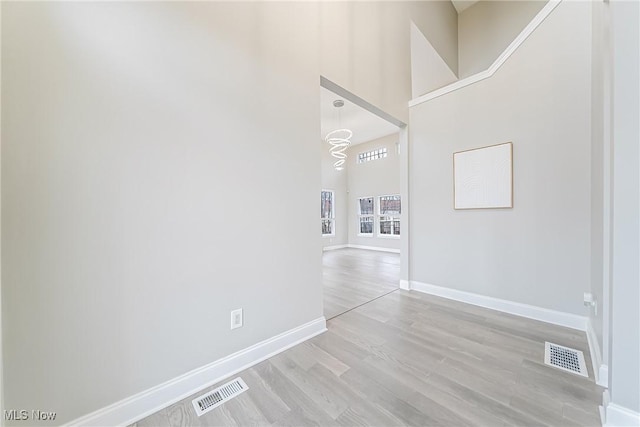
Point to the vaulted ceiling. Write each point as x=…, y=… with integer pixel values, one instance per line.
x=461, y=5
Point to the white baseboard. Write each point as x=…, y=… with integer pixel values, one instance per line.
x=524, y=310
x=404, y=284
x=369, y=248
x=334, y=247
x=141, y=405
x=603, y=375
x=375, y=248
x=618, y=416
x=600, y=371
x=603, y=408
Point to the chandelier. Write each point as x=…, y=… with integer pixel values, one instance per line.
x=339, y=139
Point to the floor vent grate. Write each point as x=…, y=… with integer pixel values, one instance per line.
x=565, y=358
x=218, y=396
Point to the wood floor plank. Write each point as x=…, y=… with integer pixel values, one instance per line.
x=265, y=398
x=303, y=405
x=328, y=400
x=406, y=358
x=352, y=277
x=384, y=398
x=360, y=411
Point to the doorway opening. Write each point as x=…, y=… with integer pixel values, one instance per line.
x=363, y=201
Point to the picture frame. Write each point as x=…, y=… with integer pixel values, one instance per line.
x=483, y=177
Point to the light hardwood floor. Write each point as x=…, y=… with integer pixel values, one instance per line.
x=411, y=359
x=352, y=277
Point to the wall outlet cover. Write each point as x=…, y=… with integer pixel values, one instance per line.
x=236, y=318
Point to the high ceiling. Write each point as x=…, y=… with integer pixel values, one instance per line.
x=365, y=126
x=461, y=5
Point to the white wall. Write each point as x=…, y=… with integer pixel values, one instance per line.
x=487, y=28
x=537, y=253
x=438, y=21
x=428, y=70
x=160, y=168
x=375, y=178
x=2, y=406
x=365, y=47
x=625, y=285
x=335, y=180
x=600, y=170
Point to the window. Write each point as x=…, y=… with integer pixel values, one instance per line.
x=365, y=216
x=327, y=213
x=389, y=215
x=367, y=156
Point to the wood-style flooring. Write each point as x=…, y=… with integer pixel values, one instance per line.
x=411, y=359
x=352, y=277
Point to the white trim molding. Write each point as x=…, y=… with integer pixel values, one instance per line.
x=528, y=30
x=375, y=248
x=603, y=408
x=404, y=284
x=603, y=375
x=524, y=310
x=141, y=405
x=618, y=416
x=600, y=371
x=334, y=247
x=369, y=248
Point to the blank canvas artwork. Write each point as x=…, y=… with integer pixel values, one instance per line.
x=483, y=177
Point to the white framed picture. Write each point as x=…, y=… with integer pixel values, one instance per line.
x=483, y=177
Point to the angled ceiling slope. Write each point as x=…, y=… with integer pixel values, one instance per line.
x=428, y=70
x=365, y=125
x=461, y=5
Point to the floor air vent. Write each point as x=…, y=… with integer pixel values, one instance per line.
x=217, y=397
x=565, y=358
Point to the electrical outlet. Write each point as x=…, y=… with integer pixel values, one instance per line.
x=590, y=301
x=236, y=319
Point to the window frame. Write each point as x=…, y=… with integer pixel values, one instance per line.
x=394, y=218
x=371, y=155
x=332, y=215
x=361, y=215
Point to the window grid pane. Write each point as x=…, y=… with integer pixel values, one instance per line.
x=386, y=224
x=368, y=156
x=327, y=212
x=366, y=225
x=327, y=226
x=390, y=205
x=326, y=204
x=366, y=206
x=389, y=215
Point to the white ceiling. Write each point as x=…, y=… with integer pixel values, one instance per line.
x=365, y=126
x=461, y=5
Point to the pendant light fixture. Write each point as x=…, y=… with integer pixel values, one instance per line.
x=339, y=139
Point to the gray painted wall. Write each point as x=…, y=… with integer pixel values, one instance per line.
x=375, y=178
x=365, y=46
x=145, y=169
x=625, y=289
x=428, y=70
x=160, y=167
x=438, y=21
x=537, y=253
x=487, y=28
x=600, y=170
